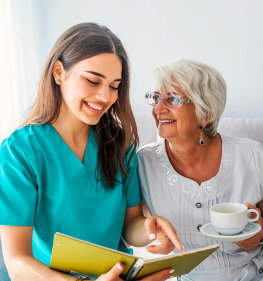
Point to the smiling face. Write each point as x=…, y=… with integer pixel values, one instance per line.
x=89, y=88
x=178, y=123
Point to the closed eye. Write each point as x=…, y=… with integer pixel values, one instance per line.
x=92, y=82
x=115, y=88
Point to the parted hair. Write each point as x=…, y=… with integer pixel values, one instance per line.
x=116, y=132
x=201, y=83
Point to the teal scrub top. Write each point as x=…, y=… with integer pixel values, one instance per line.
x=43, y=184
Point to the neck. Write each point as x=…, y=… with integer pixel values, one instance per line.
x=72, y=129
x=187, y=154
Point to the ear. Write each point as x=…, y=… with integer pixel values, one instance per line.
x=58, y=72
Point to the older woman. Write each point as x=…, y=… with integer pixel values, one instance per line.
x=194, y=168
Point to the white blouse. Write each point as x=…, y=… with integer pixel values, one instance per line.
x=186, y=204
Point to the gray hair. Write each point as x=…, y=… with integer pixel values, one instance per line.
x=201, y=83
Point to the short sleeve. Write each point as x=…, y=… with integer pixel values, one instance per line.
x=18, y=187
x=132, y=185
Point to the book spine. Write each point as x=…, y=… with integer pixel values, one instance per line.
x=135, y=270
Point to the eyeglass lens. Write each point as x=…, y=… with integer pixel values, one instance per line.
x=155, y=98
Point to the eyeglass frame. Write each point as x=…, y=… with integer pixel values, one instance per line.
x=181, y=99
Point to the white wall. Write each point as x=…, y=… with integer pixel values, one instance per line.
x=226, y=34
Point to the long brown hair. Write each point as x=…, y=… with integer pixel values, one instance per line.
x=116, y=132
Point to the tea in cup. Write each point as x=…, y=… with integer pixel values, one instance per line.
x=231, y=218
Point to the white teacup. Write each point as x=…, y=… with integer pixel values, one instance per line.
x=231, y=218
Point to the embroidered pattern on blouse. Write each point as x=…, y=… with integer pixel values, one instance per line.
x=189, y=188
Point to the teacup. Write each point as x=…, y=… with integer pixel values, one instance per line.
x=231, y=218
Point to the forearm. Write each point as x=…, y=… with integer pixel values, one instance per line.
x=135, y=232
x=29, y=269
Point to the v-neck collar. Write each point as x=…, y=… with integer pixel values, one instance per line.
x=90, y=157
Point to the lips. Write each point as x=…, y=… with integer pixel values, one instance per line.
x=165, y=121
x=94, y=106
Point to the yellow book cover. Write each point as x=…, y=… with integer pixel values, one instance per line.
x=71, y=255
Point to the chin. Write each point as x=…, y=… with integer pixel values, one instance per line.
x=165, y=135
x=91, y=121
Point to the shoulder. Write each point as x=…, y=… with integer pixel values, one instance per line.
x=241, y=143
x=243, y=149
x=23, y=138
x=149, y=150
x=149, y=147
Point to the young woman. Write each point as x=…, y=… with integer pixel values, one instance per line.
x=72, y=167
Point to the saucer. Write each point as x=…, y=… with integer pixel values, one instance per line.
x=250, y=230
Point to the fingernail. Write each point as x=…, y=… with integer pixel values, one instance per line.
x=152, y=236
x=147, y=250
x=119, y=266
x=171, y=271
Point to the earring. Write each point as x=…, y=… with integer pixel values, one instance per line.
x=201, y=140
x=58, y=81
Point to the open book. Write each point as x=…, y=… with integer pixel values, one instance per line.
x=73, y=256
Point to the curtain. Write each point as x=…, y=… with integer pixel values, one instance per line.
x=19, y=70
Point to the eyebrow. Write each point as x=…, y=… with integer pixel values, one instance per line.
x=101, y=75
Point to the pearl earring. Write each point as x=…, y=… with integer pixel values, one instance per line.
x=58, y=81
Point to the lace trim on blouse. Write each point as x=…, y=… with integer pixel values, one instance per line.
x=190, y=188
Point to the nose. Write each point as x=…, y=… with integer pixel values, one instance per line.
x=104, y=94
x=160, y=108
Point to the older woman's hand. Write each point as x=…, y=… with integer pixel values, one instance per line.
x=254, y=241
x=161, y=229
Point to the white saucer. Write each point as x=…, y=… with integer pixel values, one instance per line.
x=250, y=230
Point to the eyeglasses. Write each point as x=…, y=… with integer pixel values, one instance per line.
x=171, y=100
